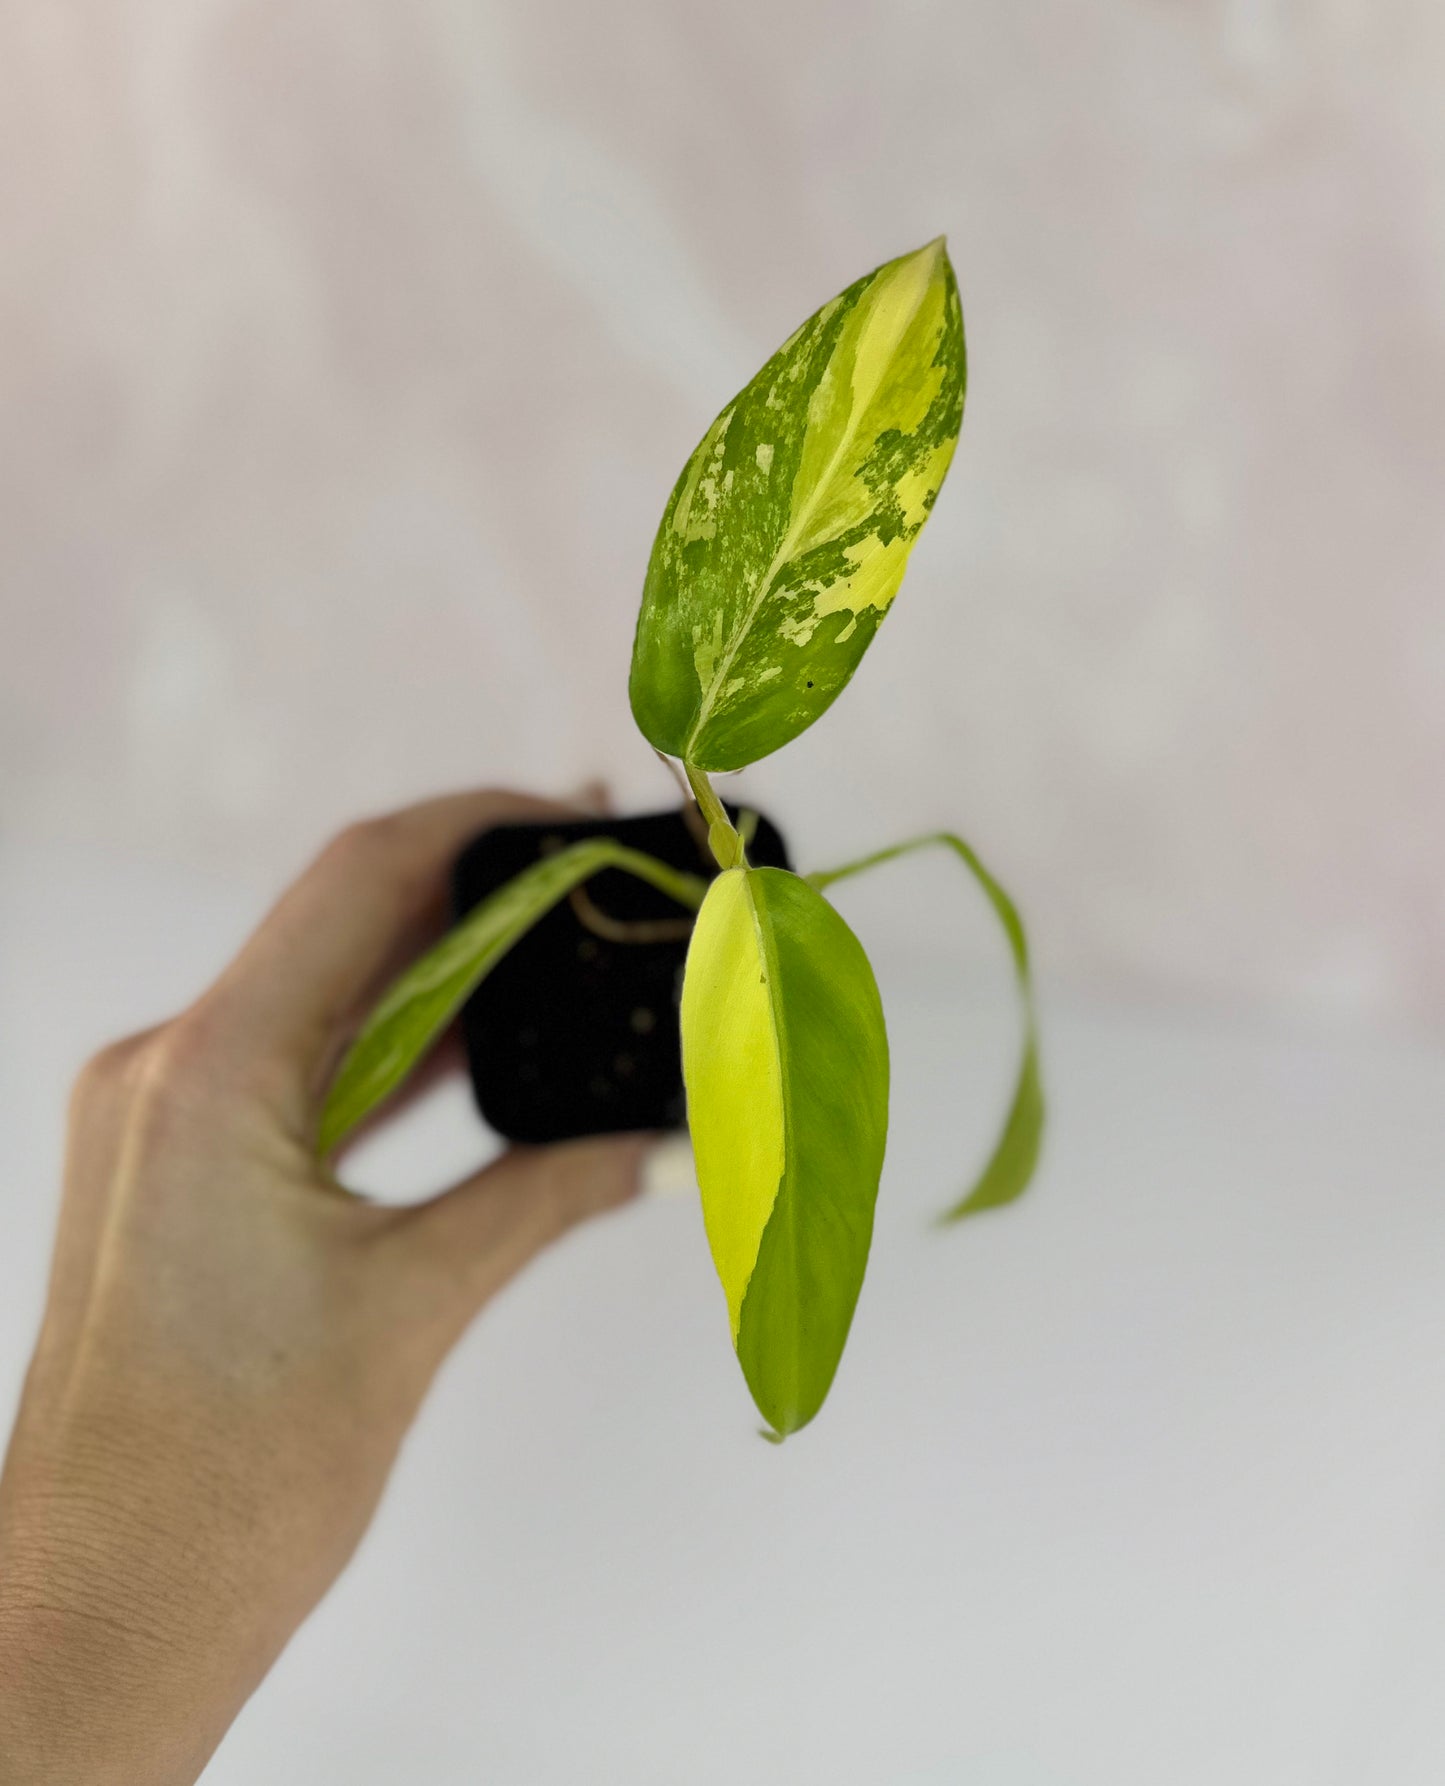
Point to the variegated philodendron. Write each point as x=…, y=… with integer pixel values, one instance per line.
x=787, y=535
x=779, y=552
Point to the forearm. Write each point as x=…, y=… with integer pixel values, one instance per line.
x=122, y=1657
x=82, y=1703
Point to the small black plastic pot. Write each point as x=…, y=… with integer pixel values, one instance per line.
x=575, y=1030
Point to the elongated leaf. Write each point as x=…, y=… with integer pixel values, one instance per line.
x=418, y=1006
x=788, y=532
x=786, y=1061
x=1011, y=1165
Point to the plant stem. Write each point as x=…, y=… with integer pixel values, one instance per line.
x=1004, y=907
x=722, y=838
x=686, y=889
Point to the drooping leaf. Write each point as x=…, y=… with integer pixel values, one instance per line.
x=1011, y=1165
x=422, y=1001
x=786, y=1062
x=788, y=532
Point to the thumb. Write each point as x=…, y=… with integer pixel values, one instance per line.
x=482, y=1231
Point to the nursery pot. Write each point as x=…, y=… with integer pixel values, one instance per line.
x=575, y=1030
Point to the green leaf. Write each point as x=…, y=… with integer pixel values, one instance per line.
x=419, y=1005
x=787, y=534
x=786, y=1061
x=1011, y=1165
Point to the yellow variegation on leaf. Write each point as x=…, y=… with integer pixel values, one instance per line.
x=788, y=532
x=786, y=1062
x=782, y=546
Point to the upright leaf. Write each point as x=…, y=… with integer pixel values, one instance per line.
x=786, y=1061
x=788, y=532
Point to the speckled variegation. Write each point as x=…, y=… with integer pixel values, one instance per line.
x=787, y=534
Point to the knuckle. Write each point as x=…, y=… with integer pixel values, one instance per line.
x=379, y=834
x=355, y=841
x=382, y=853
x=114, y=1066
x=507, y=802
x=104, y=1070
x=177, y=1060
x=369, y=850
x=134, y=1073
x=500, y=806
x=175, y=1050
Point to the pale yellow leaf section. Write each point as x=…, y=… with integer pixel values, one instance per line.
x=864, y=393
x=873, y=583
x=904, y=304
x=697, y=506
x=732, y=1065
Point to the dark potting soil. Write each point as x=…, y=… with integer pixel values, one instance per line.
x=575, y=1032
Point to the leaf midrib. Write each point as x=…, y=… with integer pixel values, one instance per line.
x=796, y=530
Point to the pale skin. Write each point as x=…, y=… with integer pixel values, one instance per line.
x=233, y=1346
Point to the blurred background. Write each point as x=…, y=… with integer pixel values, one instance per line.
x=347, y=356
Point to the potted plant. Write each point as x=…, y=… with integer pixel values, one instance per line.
x=778, y=555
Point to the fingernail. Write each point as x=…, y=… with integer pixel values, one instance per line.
x=668, y=1169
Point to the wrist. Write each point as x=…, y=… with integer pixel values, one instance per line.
x=104, y=1679
x=72, y=1705
x=88, y=1694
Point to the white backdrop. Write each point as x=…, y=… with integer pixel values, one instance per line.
x=348, y=351
x=1139, y=1483
x=347, y=354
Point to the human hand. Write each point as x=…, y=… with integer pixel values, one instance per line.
x=233, y=1347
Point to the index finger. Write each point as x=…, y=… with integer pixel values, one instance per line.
x=369, y=901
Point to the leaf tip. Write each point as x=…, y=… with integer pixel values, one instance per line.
x=934, y=254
